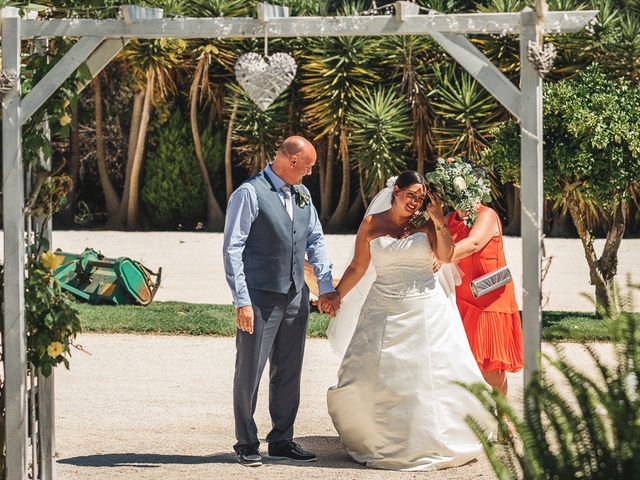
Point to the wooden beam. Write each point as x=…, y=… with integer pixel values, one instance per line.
x=481, y=68
x=532, y=197
x=102, y=56
x=471, y=23
x=57, y=76
x=14, y=333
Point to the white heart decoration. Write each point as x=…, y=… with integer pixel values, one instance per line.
x=265, y=79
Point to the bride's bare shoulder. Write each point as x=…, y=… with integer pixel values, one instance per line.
x=371, y=224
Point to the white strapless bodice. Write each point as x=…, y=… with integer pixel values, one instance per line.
x=403, y=266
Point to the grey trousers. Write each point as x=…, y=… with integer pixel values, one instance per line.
x=279, y=332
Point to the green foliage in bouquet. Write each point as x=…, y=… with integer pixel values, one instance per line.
x=460, y=185
x=593, y=433
x=173, y=191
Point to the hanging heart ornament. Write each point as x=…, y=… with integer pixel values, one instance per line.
x=7, y=81
x=265, y=78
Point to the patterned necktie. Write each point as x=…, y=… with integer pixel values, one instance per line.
x=288, y=202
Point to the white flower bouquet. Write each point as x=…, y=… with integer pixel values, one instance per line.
x=461, y=185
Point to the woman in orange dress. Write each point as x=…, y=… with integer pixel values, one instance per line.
x=491, y=321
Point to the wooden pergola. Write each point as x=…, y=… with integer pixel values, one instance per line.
x=99, y=41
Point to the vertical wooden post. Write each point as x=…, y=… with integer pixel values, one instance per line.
x=15, y=340
x=532, y=196
x=46, y=391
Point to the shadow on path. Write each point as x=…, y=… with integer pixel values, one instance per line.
x=330, y=452
x=145, y=460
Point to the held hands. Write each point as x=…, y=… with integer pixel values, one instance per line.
x=329, y=303
x=437, y=265
x=244, y=319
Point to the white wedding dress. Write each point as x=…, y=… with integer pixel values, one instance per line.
x=396, y=405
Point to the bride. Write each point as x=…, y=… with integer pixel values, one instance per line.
x=396, y=404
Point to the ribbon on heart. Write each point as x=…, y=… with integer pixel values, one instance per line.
x=264, y=78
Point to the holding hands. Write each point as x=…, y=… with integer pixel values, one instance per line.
x=329, y=303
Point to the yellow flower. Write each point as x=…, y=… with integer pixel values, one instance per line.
x=55, y=349
x=50, y=260
x=65, y=120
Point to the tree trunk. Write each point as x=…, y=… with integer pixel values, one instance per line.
x=602, y=270
x=215, y=217
x=338, y=220
x=73, y=170
x=561, y=224
x=228, y=173
x=118, y=221
x=355, y=213
x=110, y=195
x=513, y=210
x=326, y=200
x=133, y=209
x=608, y=262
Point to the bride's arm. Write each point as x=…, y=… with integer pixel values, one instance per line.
x=439, y=236
x=360, y=262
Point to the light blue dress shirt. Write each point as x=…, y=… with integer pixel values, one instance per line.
x=242, y=210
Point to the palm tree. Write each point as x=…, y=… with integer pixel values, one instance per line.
x=212, y=73
x=153, y=63
x=406, y=62
x=199, y=88
x=381, y=123
x=466, y=112
x=335, y=73
x=110, y=195
x=257, y=133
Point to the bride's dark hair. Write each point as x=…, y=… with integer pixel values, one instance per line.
x=408, y=178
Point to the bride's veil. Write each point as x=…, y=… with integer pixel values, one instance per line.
x=343, y=325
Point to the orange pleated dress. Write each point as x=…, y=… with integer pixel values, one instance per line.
x=492, y=321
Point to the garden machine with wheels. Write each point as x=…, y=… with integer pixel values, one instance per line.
x=92, y=277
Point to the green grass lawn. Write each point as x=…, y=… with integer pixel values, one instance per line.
x=200, y=319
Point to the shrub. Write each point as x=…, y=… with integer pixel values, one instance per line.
x=592, y=433
x=173, y=191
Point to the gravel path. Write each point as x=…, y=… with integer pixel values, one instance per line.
x=159, y=407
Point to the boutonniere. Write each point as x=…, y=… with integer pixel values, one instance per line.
x=302, y=198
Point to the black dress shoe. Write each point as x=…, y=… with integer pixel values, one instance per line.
x=249, y=457
x=290, y=451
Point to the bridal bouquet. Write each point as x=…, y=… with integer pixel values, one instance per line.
x=461, y=185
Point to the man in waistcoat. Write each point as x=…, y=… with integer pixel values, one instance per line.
x=270, y=225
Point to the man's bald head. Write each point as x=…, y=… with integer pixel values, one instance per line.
x=294, y=159
x=294, y=145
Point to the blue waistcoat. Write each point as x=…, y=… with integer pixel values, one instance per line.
x=274, y=250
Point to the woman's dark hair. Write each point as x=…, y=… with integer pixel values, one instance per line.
x=408, y=178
